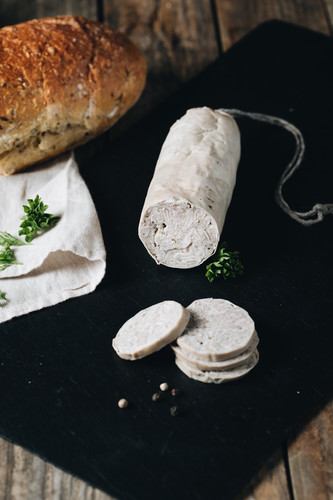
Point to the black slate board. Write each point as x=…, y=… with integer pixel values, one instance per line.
x=60, y=380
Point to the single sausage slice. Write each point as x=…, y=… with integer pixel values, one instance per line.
x=150, y=330
x=188, y=197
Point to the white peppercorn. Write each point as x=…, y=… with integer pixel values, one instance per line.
x=122, y=403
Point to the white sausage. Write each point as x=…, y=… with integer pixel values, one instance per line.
x=188, y=197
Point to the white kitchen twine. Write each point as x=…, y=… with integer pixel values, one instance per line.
x=319, y=210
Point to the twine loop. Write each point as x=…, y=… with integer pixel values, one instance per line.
x=319, y=210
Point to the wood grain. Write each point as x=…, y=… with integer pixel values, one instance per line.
x=237, y=17
x=328, y=8
x=311, y=458
x=24, y=476
x=270, y=483
x=85, y=8
x=178, y=40
x=13, y=12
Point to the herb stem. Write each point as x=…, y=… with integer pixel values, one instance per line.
x=8, y=238
x=7, y=257
x=3, y=298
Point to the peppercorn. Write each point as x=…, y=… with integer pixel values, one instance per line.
x=175, y=391
x=174, y=411
x=164, y=386
x=156, y=396
x=122, y=403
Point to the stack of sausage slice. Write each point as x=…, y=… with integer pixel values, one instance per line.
x=219, y=343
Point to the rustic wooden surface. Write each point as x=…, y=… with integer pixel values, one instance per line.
x=180, y=38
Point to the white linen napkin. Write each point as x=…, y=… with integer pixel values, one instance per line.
x=67, y=260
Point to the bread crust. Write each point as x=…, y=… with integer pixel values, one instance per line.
x=63, y=80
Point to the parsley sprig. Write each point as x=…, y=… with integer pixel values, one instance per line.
x=6, y=253
x=227, y=265
x=3, y=299
x=7, y=257
x=36, y=219
x=34, y=222
x=8, y=238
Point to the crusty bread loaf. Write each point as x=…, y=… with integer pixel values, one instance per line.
x=63, y=80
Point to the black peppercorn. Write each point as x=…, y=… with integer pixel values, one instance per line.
x=174, y=411
x=156, y=396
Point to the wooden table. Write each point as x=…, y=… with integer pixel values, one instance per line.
x=179, y=38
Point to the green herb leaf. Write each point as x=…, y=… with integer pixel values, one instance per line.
x=7, y=257
x=8, y=238
x=228, y=265
x=36, y=219
x=3, y=299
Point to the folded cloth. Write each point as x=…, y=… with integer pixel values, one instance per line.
x=65, y=261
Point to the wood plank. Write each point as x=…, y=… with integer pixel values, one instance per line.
x=270, y=482
x=328, y=7
x=237, y=17
x=24, y=476
x=12, y=12
x=311, y=458
x=86, y=8
x=178, y=40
